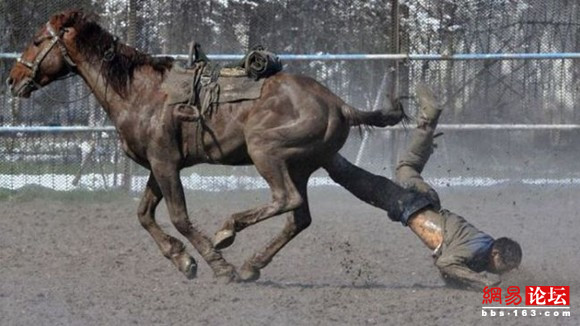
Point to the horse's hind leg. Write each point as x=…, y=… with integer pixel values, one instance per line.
x=171, y=248
x=298, y=220
x=285, y=197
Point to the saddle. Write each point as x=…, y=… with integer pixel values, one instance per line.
x=257, y=63
x=195, y=90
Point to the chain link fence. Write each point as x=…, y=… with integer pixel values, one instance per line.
x=474, y=92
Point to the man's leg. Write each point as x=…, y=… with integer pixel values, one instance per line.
x=410, y=166
x=381, y=192
x=376, y=190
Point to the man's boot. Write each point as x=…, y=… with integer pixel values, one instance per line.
x=421, y=146
x=429, y=108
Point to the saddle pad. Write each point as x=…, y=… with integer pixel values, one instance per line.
x=179, y=86
x=233, y=89
x=233, y=72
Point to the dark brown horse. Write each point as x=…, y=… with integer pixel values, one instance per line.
x=293, y=129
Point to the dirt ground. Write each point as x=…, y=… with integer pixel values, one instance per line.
x=89, y=262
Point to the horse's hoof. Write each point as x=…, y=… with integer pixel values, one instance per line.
x=190, y=271
x=187, y=265
x=228, y=277
x=223, y=239
x=249, y=273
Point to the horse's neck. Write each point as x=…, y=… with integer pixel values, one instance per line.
x=106, y=96
x=114, y=104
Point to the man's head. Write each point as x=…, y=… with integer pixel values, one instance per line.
x=506, y=254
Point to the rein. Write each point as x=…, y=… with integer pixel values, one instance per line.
x=57, y=100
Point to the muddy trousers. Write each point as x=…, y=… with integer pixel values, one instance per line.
x=376, y=190
x=401, y=200
x=411, y=164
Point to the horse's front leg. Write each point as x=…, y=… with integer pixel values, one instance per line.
x=171, y=248
x=167, y=176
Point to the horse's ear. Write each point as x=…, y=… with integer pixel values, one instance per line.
x=69, y=18
x=72, y=18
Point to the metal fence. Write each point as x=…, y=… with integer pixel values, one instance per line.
x=494, y=91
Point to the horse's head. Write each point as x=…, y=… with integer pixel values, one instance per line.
x=47, y=57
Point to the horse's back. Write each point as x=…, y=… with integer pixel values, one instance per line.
x=300, y=113
x=295, y=115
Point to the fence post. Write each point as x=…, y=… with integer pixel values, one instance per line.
x=128, y=166
x=400, y=79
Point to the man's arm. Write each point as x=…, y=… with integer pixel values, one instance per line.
x=459, y=275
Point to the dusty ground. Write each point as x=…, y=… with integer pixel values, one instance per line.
x=88, y=262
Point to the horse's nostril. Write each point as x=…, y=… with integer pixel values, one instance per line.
x=9, y=81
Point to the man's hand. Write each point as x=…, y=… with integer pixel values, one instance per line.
x=458, y=276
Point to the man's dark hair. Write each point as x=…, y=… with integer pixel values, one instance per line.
x=509, y=251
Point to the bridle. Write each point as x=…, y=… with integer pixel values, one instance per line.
x=55, y=40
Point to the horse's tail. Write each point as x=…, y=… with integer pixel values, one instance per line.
x=389, y=116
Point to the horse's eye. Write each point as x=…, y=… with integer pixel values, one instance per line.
x=39, y=40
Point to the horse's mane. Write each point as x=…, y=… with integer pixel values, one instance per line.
x=94, y=43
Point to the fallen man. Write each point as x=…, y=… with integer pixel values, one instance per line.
x=460, y=250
